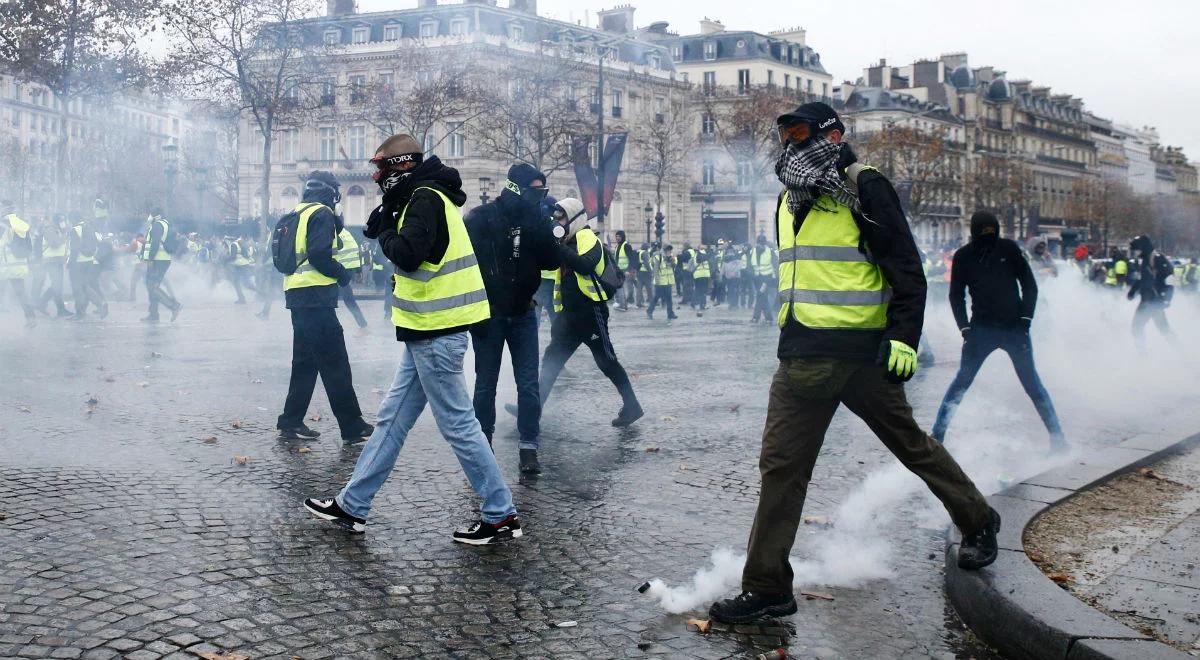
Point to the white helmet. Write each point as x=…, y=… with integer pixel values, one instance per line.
x=576, y=216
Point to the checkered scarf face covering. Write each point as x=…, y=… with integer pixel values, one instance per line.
x=811, y=172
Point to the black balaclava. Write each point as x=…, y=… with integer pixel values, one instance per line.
x=985, y=228
x=517, y=190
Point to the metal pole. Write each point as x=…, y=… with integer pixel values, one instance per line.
x=600, y=143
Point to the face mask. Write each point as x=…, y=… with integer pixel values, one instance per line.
x=392, y=179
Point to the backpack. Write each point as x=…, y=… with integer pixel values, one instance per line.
x=21, y=248
x=174, y=243
x=283, y=243
x=88, y=243
x=611, y=279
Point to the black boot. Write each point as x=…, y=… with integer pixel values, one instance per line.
x=630, y=413
x=749, y=607
x=979, y=548
x=529, y=462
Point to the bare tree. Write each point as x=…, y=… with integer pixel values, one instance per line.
x=1001, y=183
x=256, y=54
x=919, y=159
x=423, y=88
x=664, y=140
x=532, y=114
x=744, y=126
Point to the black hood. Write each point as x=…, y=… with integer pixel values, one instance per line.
x=981, y=222
x=430, y=173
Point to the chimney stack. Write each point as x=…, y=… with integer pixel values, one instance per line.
x=340, y=7
x=618, y=20
x=711, y=26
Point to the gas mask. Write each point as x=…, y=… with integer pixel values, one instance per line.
x=529, y=195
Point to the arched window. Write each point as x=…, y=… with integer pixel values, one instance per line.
x=354, y=206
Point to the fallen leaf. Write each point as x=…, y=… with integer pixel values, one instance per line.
x=568, y=624
x=257, y=381
x=813, y=595
x=3, y=515
x=240, y=460
x=735, y=407
x=1149, y=473
x=209, y=655
x=651, y=449
x=315, y=417
x=155, y=354
x=822, y=521
x=668, y=418
x=699, y=625
x=684, y=467
x=92, y=401
x=143, y=384
x=1060, y=578
x=303, y=450
x=109, y=379
x=237, y=424
x=211, y=440
x=25, y=409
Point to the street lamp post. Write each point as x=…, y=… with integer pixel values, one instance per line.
x=646, y=211
x=485, y=186
x=706, y=213
x=170, y=155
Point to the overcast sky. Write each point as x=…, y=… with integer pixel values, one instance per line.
x=1134, y=62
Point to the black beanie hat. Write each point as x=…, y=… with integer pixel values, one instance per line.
x=524, y=174
x=981, y=220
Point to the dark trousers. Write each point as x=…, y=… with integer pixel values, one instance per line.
x=631, y=292
x=567, y=333
x=545, y=300
x=347, y=295
x=805, y=393
x=662, y=293
x=22, y=296
x=1145, y=313
x=138, y=273
x=688, y=285
x=762, y=297
x=318, y=348
x=156, y=272
x=53, y=270
x=700, y=292
x=520, y=333
x=85, y=287
x=732, y=291
x=645, y=288
x=980, y=343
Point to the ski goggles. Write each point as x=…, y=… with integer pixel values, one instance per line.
x=798, y=133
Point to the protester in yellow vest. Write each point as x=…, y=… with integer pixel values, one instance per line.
x=644, y=283
x=662, y=267
x=15, y=248
x=761, y=262
x=438, y=294
x=851, y=305
x=158, y=260
x=311, y=294
x=582, y=302
x=82, y=244
x=348, y=254
x=54, y=258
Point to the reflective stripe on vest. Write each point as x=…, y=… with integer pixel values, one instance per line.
x=622, y=259
x=306, y=275
x=80, y=258
x=346, y=250
x=13, y=267
x=703, y=269
x=823, y=279
x=664, y=272
x=585, y=242
x=449, y=294
x=644, y=261
x=161, y=254
x=760, y=262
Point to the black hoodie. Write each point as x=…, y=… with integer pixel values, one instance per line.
x=424, y=236
x=992, y=268
x=514, y=244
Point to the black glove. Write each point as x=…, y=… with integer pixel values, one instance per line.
x=345, y=278
x=1024, y=322
x=376, y=223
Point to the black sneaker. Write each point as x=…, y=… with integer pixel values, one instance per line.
x=529, y=462
x=979, y=549
x=329, y=510
x=749, y=607
x=358, y=434
x=300, y=432
x=481, y=533
x=628, y=415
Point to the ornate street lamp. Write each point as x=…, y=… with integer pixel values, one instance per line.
x=646, y=214
x=485, y=187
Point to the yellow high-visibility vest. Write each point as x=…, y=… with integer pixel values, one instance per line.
x=448, y=294
x=825, y=282
x=585, y=241
x=664, y=271
x=161, y=253
x=346, y=250
x=761, y=263
x=306, y=275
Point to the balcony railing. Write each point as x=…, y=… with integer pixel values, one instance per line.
x=616, y=111
x=1061, y=162
x=660, y=118
x=1055, y=135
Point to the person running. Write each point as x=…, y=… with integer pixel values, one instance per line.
x=157, y=259
x=438, y=295
x=991, y=269
x=853, y=301
x=1152, y=270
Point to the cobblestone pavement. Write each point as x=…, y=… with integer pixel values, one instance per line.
x=128, y=529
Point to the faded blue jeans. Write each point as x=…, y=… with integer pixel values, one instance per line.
x=431, y=371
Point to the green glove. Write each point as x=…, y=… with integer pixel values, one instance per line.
x=902, y=360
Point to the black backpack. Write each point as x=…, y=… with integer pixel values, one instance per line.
x=173, y=242
x=88, y=243
x=283, y=242
x=21, y=247
x=611, y=278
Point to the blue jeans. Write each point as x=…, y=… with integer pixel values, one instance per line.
x=430, y=371
x=520, y=333
x=980, y=343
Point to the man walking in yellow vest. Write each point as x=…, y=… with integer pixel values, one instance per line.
x=438, y=294
x=311, y=294
x=851, y=305
x=154, y=253
x=16, y=245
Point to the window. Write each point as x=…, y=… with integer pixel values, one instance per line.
x=327, y=138
x=430, y=140
x=358, y=88
x=391, y=33
x=429, y=29
x=770, y=78
x=16, y=119
x=289, y=140
x=743, y=80
x=328, y=94
x=386, y=80
x=676, y=53
x=710, y=50
x=358, y=142
x=616, y=103
x=708, y=125
x=825, y=89
x=333, y=37
x=708, y=174
x=787, y=81
x=710, y=82
x=516, y=32
x=655, y=62
x=458, y=27
x=808, y=85
x=745, y=174
x=360, y=35
x=458, y=142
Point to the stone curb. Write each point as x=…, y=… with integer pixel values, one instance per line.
x=1018, y=610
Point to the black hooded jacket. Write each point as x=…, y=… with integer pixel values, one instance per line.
x=424, y=236
x=514, y=244
x=991, y=269
x=889, y=242
x=323, y=226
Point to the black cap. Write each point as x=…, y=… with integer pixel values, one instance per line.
x=822, y=117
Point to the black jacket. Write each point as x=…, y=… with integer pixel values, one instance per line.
x=577, y=307
x=323, y=227
x=514, y=245
x=1151, y=283
x=424, y=236
x=888, y=241
x=992, y=274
